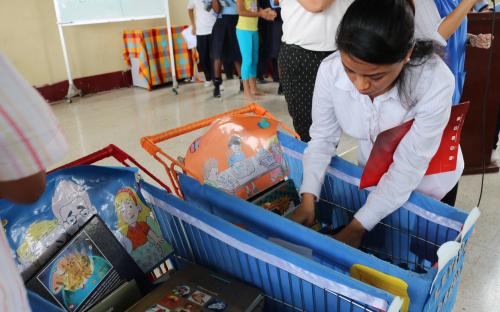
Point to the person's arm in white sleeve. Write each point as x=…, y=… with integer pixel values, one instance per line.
x=414, y=152
x=427, y=22
x=325, y=134
x=430, y=26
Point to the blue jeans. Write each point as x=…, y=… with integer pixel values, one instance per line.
x=249, y=47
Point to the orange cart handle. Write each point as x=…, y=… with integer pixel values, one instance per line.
x=252, y=108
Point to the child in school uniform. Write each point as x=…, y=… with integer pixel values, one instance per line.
x=202, y=26
x=248, y=41
x=224, y=43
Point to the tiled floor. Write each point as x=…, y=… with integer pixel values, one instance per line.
x=123, y=116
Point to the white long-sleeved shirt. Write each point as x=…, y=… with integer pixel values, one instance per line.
x=339, y=108
x=317, y=31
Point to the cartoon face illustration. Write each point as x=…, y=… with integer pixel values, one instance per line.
x=71, y=205
x=130, y=211
x=236, y=152
x=235, y=144
x=128, y=207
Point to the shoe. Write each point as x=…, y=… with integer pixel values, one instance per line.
x=217, y=85
x=241, y=86
x=217, y=91
x=207, y=84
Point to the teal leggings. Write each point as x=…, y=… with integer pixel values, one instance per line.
x=249, y=47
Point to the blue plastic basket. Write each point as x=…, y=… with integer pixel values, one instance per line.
x=290, y=281
x=406, y=244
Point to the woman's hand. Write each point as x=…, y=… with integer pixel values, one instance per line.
x=267, y=14
x=481, y=41
x=352, y=234
x=305, y=214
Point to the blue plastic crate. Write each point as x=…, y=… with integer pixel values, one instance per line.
x=404, y=245
x=290, y=281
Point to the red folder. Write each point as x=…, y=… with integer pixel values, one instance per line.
x=445, y=159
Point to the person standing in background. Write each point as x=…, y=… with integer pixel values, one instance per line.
x=30, y=141
x=309, y=29
x=224, y=42
x=270, y=33
x=202, y=28
x=248, y=40
x=454, y=30
x=264, y=29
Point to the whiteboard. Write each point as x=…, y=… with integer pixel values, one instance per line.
x=80, y=12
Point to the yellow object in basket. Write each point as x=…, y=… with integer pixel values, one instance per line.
x=391, y=284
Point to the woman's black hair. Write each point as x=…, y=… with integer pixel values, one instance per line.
x=382, y=32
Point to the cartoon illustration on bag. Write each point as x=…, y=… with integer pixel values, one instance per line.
x=71, y=206
x=38, y=231
x=239, y=154
x=40, y=237
x=211, y=171
x=236, y=153
x=277, y=154
x=141, y=233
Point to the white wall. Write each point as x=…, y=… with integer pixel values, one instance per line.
x=30, y=39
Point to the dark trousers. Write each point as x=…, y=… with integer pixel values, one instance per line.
x=228, y=69
x=204, y=46
x=298, y=69
x=451, y=197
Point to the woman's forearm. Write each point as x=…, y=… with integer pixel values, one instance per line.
x=451, y=23
x=191, y=17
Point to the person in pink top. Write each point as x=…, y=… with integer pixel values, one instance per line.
x=30, y=141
